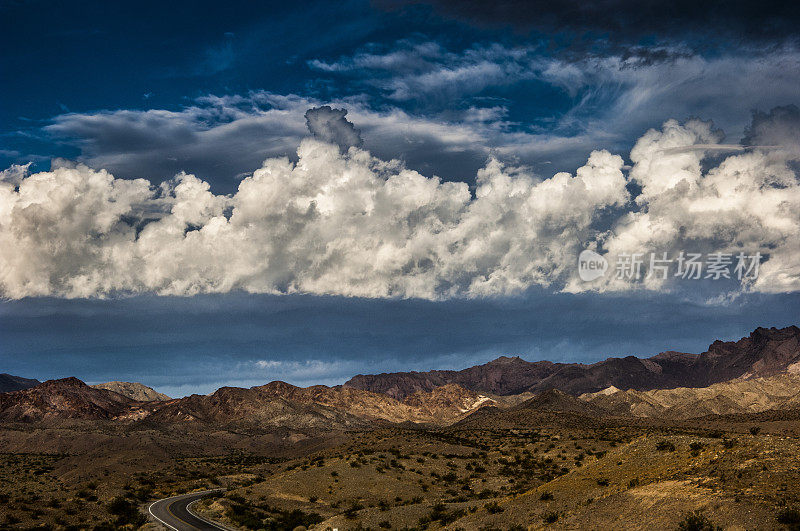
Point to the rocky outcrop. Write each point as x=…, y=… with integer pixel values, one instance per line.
x=133, y=390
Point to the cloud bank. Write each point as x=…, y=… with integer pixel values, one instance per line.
x=349, y=223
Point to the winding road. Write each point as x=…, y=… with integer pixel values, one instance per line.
x=176, y=514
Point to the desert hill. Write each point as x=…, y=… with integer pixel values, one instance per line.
x=9, y=382
x=133, y=390
x=753, y=395
x=253, y=407
x=277, y=404
x=67, y=398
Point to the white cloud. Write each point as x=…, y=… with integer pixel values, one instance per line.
x=356, y=225
x=345, y=224
x=748, y=203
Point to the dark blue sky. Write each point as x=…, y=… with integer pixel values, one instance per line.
x=70, y=70
x=149, y=89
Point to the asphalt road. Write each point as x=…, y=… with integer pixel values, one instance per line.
x=175, y=512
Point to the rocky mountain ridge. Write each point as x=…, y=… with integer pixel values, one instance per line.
x=762, y=371
x=765, y=352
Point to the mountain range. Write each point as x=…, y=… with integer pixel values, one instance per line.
x=765, y=352
x=756, y=374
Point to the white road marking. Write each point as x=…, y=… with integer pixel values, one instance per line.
x=150, y=509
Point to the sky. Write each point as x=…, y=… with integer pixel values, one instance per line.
x=208, y=194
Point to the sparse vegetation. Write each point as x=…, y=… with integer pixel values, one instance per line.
x=665, y=446
x=550, y=517
x=697, y=521
x=789, y=516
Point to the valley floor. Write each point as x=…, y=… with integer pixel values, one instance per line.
x=559, y=472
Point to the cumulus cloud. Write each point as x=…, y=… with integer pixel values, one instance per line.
x=332, y=223
x=352, y=224
x=748, y=203
x=330, y=125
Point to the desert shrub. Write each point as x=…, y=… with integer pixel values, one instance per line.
x=385, y=524
x=716, y=434
x=493, y=508
x=271, y=519
x=755, y=430
x=550, y=517
x=439, y=513
x=697, y=521
x=633, y=483
x=729, y=443
x=245, y=516
x=353, y=509
x=126, y=512
x=665, y=446
x=546, y=496
x=789, y=516
x=603, y=482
